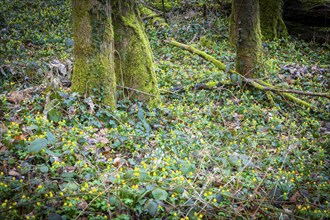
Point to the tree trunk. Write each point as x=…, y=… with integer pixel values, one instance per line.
x=93, y=71
x=245, y=35
x=134, y=59
x=271, y=22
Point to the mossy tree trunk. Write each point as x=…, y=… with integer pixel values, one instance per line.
x=271, y=21
x=134, y=59
x=93, y=71
x=245, y=35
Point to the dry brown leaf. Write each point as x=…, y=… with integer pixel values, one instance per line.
x=103, y=140
x=107, y=154
x=15, y=97
x=70, y=168
x=13, y=173
x=117, y=161
x=295, y=197
x=82, y=205
x=20, y=137
x=3, y=148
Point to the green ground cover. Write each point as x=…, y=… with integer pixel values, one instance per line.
x=202, y=154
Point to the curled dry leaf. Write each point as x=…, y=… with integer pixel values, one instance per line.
x=70, y=168
x=15, y=97
x=20, y=137
x=82, y=205
x=13, y=173
x=295, y=197
x=3, y=148
x=117, y=162
x=103, y=140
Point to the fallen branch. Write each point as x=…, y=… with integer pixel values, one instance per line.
x=319, y=94
x=262, y=85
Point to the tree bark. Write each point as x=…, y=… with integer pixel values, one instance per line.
x=93, y=71
x=271, y=22
x=245, y=35
x=134, y=59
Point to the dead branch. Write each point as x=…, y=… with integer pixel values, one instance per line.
x=260, y=84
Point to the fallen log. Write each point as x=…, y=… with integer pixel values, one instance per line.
x=260, y=84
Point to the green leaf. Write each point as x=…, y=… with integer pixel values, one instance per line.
x=67, y=175
x=70, y=186
x=159, y=194
x=113, y=201
x=37, y=145
x=141, y=114
x=50, y=136
x=152, y=208
x=33, y=127
x=51, y=153
x=44, y=169
x=146, y=126
x=219, y=198
x=54, y=216
x=55, y=115
x=187, y=168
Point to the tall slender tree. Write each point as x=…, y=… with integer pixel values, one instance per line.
x=245, y=35
x=93, y=71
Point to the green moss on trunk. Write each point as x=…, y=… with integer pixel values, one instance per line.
x=134, y=60
x=93, y=71
x=246, y=36
x=272, y=25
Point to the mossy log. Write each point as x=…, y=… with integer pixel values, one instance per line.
x=259, y=84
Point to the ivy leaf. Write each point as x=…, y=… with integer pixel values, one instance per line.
x=160, y=194
x=140, y=114
x=44, y=169
x=55, y=115
x=50, y=136
x=219, y=198
x=152, y=208
x=37, y=145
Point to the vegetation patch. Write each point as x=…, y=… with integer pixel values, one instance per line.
x=220, y=152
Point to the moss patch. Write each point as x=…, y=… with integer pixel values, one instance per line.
x=93, y=72
x=134, y=63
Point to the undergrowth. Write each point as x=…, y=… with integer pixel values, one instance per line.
x=202, y=154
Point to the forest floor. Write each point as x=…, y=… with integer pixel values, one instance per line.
x=210, y=150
